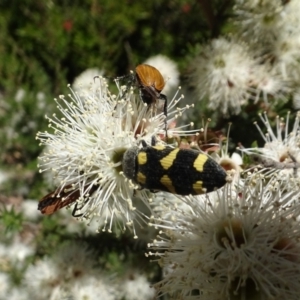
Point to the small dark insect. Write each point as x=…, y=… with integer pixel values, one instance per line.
x=58, y=199
x=173, y=170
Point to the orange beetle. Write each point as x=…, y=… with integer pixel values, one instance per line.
x=151, y=83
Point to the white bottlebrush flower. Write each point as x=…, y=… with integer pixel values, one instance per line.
x=137, y=287
x=231, y=163
x=18, y=251
x=20, y=95
x=41, y=101
x=235, y=243
x=5, y=284
x=290, y=17
x=14, y=254
x=74, y=261
x=286, y=55
x=145, y=232
x=296, y=101
x=4, y=176
x=268, y=84
x=168, y=69
x=271, y=27
x=258, y=20
x=84, y=81
x=281, y=150
x=228, y=162
x=16, y=293
x=94, y=287
x=41, y=279
x=223, y=74
x=55, y=277
x=29, y=209
x=73, y=225
x=85, y=151
x=165, y=205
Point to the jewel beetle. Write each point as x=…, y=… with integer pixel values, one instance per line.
x=173, y=170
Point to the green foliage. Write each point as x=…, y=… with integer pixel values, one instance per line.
x=50, y=43
x=10, y=220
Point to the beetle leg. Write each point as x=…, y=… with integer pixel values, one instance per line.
x=164, y=98
x=144, y=144
x=129, y=84
x=74, y=211
x=153, y=140
x=76, y=208
x=97, y=76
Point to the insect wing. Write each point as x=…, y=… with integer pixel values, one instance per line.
x=57, y=200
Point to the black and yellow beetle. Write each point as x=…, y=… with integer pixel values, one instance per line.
x=173, y=170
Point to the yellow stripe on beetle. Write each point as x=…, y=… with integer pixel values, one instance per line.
x=168, y=160
x=200, y=161
x=198, y=187
x=141, y=178
x=142, y=158
x=159, y=147
x=167, y=182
